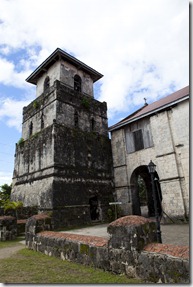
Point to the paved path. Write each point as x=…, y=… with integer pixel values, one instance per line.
x=176, y=234
x=9, y=251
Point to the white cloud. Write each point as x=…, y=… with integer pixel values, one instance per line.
x=10, y=77
x=5, y=177
x=140, y=46
x=11, y=111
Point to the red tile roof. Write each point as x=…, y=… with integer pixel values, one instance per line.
x=147, y=110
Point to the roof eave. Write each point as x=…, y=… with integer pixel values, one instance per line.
x=56, y=55
x=118, y=126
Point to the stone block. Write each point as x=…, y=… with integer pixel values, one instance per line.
x=131, y=232
x=8, y=228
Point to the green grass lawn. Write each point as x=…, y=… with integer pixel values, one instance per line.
x=10, y=243
x=27, y=266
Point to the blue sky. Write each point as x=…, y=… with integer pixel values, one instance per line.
x=141, y=48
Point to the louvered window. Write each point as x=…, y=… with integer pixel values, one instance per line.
x=138, y=140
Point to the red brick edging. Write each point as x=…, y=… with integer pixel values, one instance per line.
x=91, y=240
x=176, y=251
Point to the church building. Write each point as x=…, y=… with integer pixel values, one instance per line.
x=158, y=133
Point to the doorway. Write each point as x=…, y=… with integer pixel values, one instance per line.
x=141, y=193
x=94, y=208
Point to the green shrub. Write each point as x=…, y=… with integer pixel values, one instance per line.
x=20, y=141
x=86, y=103
x=35, y=105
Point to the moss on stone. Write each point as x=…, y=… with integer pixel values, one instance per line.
x=84, y=249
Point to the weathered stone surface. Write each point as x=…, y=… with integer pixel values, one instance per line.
x=68, y=161
x=152, y=267
x=34, y=225
x=8, y=228
x=162, y=268
x=131, y=232
x=170, y=155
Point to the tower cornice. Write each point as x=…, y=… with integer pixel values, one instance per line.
x=59, y=54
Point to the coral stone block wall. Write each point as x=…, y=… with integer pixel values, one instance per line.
x=131, y=249
x=8, y=228
x=131, y=233
x=67, y=161
x=35, y=224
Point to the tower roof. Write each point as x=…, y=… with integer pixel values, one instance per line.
x=60, y=54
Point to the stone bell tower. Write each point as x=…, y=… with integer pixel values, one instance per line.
x=63, y=163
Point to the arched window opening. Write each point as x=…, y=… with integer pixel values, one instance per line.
x=76, y=119
x=77, y=83
x=30, y=129
x=46, y=83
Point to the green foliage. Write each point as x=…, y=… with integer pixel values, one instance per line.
x=49, y=213
x=5, y=202
x=85, y=102
x=20, y=141
x=5, y=191
x=35, y=104
x=35, y=135
x=84, y=249
x=112, y=214
x=14, y=205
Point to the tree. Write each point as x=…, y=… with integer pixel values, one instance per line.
x=5, y=202
x=5, y=192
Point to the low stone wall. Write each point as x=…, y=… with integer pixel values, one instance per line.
x=36, y=224
x=130, y=250
x=8, y=228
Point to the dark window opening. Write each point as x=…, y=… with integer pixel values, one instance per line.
x=76, y=119
x=94, y=209
x=42, y=121
x=77, y=83
x=138, y=140
x=92, y=124
x=31, y=129
x=46, y=83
